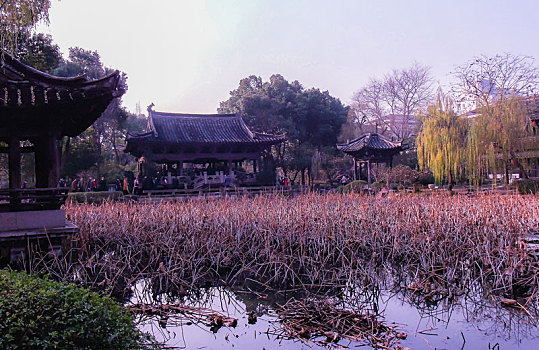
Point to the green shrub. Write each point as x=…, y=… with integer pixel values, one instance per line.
x=40, y=313
x=379, y=185
x=94, y=197
x=406, y=176
x=352, y=187
x=526, y=186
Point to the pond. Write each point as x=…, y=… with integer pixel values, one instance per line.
x=467, y=323
x=402, y=271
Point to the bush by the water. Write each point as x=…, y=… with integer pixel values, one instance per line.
x=352, y=187
x=406, y=176
x=38, y=313
x=526, y=186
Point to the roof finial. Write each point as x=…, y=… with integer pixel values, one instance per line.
x=150, y=107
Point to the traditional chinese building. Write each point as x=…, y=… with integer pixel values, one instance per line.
x=212, y=144
x=36, y=110
x=371, y=148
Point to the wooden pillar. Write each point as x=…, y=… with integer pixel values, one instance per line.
x=254, y=166
x=52, y=155
x=180, y=168
x=355, y=169
x=369, y=173
x=229, y=167
x=46, y=161
x=14, y=162
x=41, y=163
x=389, y=167
x=169, y=174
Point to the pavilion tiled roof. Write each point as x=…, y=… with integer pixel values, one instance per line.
x=74, y=103
x=371, y=141
x=179, y=128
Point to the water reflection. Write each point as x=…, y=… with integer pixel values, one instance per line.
x=470, y=321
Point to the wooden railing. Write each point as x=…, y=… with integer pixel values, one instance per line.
x=223, y=191
x=32, y=199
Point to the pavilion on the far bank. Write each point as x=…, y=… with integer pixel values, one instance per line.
x=204, y=148
x=368, y=149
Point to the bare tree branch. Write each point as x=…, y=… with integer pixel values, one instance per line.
x=392, y=102
x=486, y=79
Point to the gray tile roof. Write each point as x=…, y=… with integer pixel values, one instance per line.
x=371, y=141
x=72, y=103
x=179, y=128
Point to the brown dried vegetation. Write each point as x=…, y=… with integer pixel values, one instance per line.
x=432, y=247
x=435, y=242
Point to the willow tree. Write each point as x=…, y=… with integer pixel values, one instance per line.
x=441, y=142
x=18, y=17
x=497, y=138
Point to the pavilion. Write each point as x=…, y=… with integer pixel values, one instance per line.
x=36, y=110
x=371, y=148
x=216, y=144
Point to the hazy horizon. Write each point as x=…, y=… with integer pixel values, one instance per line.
x=186, y=56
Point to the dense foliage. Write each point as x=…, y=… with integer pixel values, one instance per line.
x=310, y=118
x=41, y=313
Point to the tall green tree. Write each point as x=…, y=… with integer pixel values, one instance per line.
x=40, y=52
x=441, y=142
x=311, y=119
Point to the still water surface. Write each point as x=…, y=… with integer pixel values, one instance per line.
x=466, y=324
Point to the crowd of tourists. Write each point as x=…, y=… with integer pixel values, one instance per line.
x=127, y=186
x=91, y=184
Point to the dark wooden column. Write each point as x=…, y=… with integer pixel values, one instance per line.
x=14, y=162
x=46, y=158
x=369, y=173
x=42, y=179
x=52, y=155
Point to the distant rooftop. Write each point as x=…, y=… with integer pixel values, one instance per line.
x=182, y=128
x=372, y=141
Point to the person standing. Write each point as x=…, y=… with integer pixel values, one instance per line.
x=136, y=186
x=102, y=184
x=125, y=188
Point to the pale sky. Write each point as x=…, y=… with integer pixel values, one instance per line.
x=185, y=56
